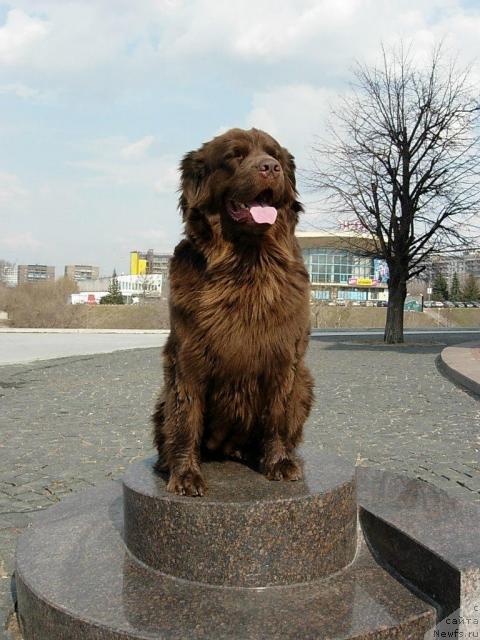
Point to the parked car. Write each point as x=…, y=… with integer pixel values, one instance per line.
x=437, y=304
x=428, y=304
x=460, y=304
x=476, y=304
x=449, y=304
x=382, y=303
x=470, y=305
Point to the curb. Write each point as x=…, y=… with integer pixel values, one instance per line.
x=461, y=363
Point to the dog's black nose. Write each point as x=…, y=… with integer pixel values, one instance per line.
x=268, y=165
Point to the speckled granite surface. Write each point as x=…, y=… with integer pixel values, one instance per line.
x=247, y=531
x=76, y=580
x=427, y=536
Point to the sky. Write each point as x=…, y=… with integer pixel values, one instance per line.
x=99, y=99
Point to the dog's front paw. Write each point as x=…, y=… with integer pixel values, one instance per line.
x=283, y=469
x=187, y=483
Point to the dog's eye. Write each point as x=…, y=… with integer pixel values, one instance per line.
x=273, y=153
x=236, y=154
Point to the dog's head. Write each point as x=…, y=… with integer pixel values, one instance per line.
x=243, y=178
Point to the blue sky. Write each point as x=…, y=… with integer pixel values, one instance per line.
x=99, y=99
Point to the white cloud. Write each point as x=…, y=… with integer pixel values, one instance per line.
x=294, y=114
x=18, y=89
x=33, y=95
x=116, y=162
x=75, y=36
x=19, y=241
x=317, y=38
x=155, y=234
x=320, y=35
x=12, y=191
x=97, y=67
x=155, y=238
x=136, y=150
x=276, y=31
x=265, y=31
x=20, y=34
x=168, y=179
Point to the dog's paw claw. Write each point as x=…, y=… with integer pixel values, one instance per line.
x=187, y=483
x=285, y=469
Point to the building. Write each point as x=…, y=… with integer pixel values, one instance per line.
x=133, y=288
x=339, y=269
x=149, y=262
x=335, y=260
x=28, y=273
x=463, y=264
x=472, y=263
x=447, y=266
x=8, y=274
x=142, y=286
x=99, y=285
x=87, y=297
x=79, y=272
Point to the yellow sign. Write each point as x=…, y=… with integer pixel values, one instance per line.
x=366, y=282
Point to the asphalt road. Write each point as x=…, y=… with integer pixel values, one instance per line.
x=70, y=423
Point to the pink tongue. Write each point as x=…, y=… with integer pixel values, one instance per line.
x=263, y=214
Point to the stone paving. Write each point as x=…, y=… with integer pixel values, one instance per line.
x=70, y=423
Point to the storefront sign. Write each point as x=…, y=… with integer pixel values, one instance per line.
x=362, y=282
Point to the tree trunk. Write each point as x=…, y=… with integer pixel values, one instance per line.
x=397, y=292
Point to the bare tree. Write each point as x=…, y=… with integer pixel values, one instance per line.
x=403, y=157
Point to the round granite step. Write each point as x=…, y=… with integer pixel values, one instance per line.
x=77, y=580
x=247, y=531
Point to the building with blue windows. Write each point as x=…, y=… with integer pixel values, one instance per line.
x=338, y=268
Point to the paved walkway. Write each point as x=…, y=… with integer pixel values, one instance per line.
x=68, y=424
x=23, y=345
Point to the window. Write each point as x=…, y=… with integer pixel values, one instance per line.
x=321, y=294
x=335, y=266
x=352, y=294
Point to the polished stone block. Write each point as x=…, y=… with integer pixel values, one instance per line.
x=415, y=563
x=247, y=530
x=76, y=580
x=427, y=537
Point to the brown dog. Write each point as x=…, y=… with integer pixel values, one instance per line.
x=235, y=382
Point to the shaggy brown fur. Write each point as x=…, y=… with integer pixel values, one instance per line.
x=235, y=382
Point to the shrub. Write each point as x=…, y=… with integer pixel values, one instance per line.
x=44, y=304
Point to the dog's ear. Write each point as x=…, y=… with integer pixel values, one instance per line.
x=192, y=182
x=290, y=168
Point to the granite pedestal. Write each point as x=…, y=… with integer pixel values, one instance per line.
x=252, y=559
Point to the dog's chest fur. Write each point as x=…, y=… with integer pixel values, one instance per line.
x=246, y=312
